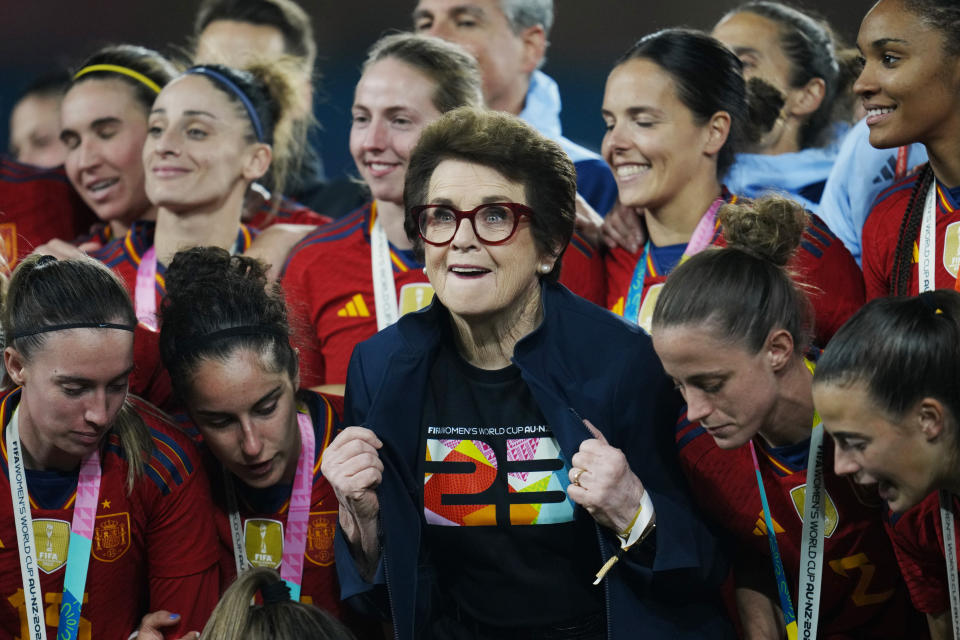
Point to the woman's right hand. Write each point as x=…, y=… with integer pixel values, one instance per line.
x=59, y=249
x=623, y=227
x=352, y=466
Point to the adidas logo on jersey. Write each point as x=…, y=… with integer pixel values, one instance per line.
x=356, y=308
x=760, y=529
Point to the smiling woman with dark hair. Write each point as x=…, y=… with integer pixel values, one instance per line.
x=515, y=438
x=910, y=87
x=887, y=389
x=677, y=111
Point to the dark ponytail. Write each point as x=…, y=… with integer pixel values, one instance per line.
x=901, y=350
x=709, y=78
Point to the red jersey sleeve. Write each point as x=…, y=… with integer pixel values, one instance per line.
x=583, y=270
x=37, y=205
x=918, y=543
x=834, y=281
x=181, y=539
x=189, y=596
x=289, y=212
x=303, y=314
x=880, y=234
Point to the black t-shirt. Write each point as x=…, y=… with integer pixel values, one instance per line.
x=509, y=547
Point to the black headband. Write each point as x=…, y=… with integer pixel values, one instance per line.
x=275, y=592
x=71, y=325
x=195, y=343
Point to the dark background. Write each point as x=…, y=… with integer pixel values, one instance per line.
x=587, y=36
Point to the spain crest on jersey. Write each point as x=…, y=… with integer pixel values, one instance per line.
x=263, y=542
x=111, y=536
x=52, y=539
x=830, y=515
x=319, y=550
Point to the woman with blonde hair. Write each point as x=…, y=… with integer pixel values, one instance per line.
x=272, y=616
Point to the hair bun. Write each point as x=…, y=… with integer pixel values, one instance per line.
x=770, y=227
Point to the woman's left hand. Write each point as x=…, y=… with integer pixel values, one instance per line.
x=153, y=624
x=602, y=483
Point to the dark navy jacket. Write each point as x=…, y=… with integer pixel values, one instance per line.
x=582, y=362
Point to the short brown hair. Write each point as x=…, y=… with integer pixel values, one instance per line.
x=453, y=71
x=514, y=149
x=285, y=16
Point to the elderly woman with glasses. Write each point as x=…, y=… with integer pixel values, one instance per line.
x=517, y=441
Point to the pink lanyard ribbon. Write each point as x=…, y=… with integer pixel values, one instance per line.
x=298, y=514
x=702, y=235
x=145, y=294
x=81, y=538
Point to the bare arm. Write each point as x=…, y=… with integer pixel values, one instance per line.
x=757, y=607
x=940, y=627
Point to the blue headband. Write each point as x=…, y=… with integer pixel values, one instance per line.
x=237, y=91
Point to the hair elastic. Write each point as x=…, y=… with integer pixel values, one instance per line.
x=71, y=325
x=929, y=300
x=195, y=343
x=124, y=71
x=234, y=89
x=275, y=592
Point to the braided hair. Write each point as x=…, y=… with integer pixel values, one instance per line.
x=910, y=232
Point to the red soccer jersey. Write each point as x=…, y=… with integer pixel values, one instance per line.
x=37, y=205
x=918, y=541
x=821, y=262
x=122, y=255
x=882, y=230
x=290, y=212
x=153, y=548
x=264, y=527
x=863, y=594
x=329, y=287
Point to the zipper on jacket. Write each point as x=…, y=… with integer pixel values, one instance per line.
x=386, y=579
x=606, y=579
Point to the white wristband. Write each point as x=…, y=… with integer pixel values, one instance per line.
x=644, y=517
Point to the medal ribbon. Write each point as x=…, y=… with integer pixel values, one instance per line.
x=81, y=540
x=811, y=539
x=145, y=294
x=950, y=555
x=701, y=237
x=927, y=263
x=384, y=286
x=783, y=590
x=298, y=515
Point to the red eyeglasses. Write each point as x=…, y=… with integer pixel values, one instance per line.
x=492, y=223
